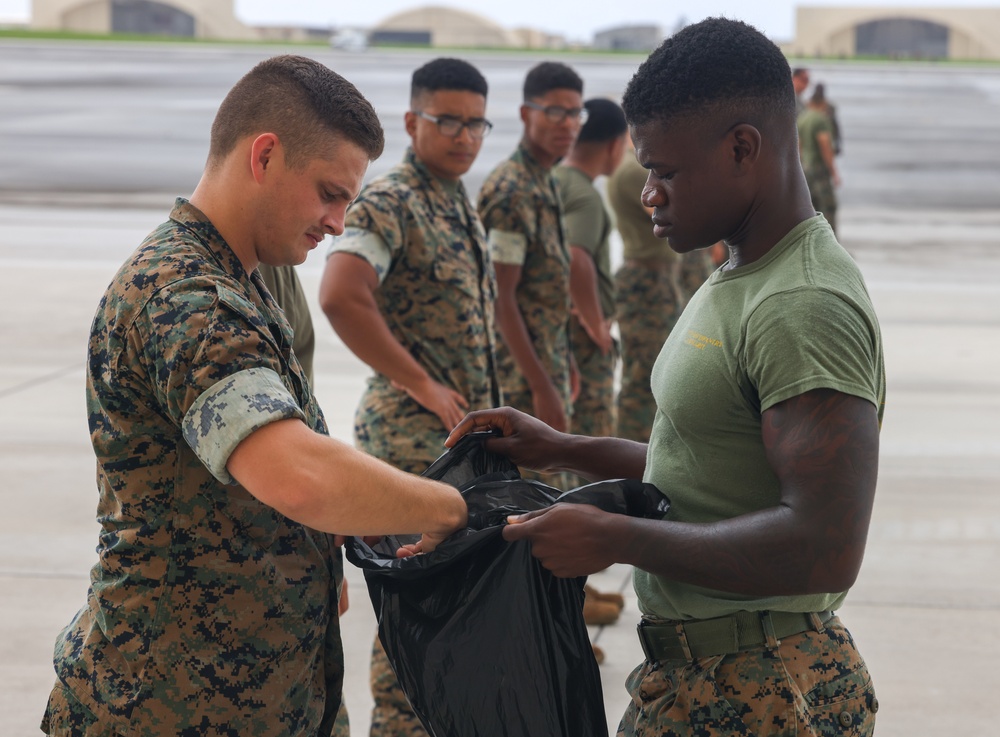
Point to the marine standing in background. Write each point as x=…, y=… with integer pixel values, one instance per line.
x=800, y=83
x=597, y=152
x=520, y=209
x=816, y=148
x=651, y=288
x=410, y=289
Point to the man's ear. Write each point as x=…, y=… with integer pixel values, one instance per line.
x=410, y=123
x=263, y=153
x=525, y=111
x=745, y=141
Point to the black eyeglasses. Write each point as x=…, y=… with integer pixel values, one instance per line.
x=452, y=127
x=557, y=113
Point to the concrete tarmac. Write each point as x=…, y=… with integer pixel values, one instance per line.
x=924, y=607
x=922, y=611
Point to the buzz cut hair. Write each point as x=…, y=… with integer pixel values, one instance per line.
x=605, y=121
x=303, y=103
x=447, y=74
x=548, y=76
x=718, y=67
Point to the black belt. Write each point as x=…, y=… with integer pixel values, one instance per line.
x=703, y=638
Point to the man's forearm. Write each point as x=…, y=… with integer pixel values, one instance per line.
x=601, y=458
x=330, y=486
x=358, y=322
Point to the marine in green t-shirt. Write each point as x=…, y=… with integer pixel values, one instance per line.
x=816, y=147
x=652, y=286
x=597, y=152
x=769, y=400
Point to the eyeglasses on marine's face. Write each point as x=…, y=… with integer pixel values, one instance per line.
x=452, y=127
x=557, y=113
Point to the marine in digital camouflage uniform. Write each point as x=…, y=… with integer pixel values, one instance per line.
x=520, y=209
x=414, y=257
x=211, y=611
x=205, y=603
x=816, y=146
x=597, y=152
x=435, y=291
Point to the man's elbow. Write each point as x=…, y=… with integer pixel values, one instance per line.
x=839, y=573
x=330, y=304
x=294, y=494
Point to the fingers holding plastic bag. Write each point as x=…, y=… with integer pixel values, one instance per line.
x=525, y=440
x=569, y=540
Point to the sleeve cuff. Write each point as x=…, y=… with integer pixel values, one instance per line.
x=367, y=245
x=232, y=409
x=507, y=247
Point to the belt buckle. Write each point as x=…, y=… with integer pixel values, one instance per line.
x=647, y=650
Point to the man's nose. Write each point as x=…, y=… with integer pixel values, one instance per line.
x=333, y=223
x=651, y=196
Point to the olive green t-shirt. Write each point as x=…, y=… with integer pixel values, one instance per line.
x=285, y=287
x=796, y=320
x=588, y=226
x=810, y=124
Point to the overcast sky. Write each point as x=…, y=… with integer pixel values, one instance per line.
x=575, y=19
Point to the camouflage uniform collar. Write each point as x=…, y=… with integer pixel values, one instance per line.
x=410, y=159
x=544, y=176
x=198, y=224
x=524, y=155
x=435, y=194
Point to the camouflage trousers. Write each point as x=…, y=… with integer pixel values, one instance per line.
x=594, y=408
x=647, y=306
x=67, y=717
x=391, y=715
x=824, y=197
x=813, y=684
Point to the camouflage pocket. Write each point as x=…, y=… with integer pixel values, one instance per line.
x=458, y=270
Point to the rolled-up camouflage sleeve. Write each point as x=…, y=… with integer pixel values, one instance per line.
x=507, y=247
x=510, y=222
x=233, y=409
x=367, y=245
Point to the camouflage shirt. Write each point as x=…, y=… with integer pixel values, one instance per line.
x=520, y=209
x=436, y=293
x=208, y=611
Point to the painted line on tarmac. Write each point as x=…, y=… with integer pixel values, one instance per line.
x=32, y=383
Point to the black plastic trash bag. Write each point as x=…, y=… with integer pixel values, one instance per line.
x=485, y=641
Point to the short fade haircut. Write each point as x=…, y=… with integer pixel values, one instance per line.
x=605, y=121
x=548, y=76
x=301, y=101
x=447, y=74
x=717, y=66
